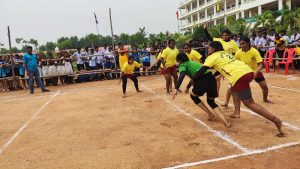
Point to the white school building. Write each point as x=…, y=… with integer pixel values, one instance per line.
x=197, y=12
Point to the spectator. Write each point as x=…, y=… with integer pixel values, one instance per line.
x=79, y=57
x=294, y=40
x=31, y=68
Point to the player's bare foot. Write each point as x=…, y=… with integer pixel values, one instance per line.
x=234, y=116
x=211, y=118
x=268, y=101
x=278, y=124
x=228, y=124
x=224, y=105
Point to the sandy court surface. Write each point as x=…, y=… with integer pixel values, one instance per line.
x=89, y=125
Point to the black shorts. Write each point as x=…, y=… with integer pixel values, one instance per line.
x=206, y=84
x=260, y=78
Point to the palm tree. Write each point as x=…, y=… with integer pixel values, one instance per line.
x=289, y=18
x=267, y=19
x=216, y=30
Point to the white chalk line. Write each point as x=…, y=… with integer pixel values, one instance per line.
x=5, y=146
x=259, y=151
x=219, y=134
x=283, y=88
x=288, y=125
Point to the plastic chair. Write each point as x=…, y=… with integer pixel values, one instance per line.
x=287, y=59
x=268, y=59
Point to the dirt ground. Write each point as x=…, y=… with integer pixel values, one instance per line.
x=90, y=125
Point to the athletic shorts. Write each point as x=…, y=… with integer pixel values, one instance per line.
x=168, y=70
x=260, y=77
x=129, y=75
x=206, y=84
x=242, y=87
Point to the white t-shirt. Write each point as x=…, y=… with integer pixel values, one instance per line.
x=79, y=56
x=294, y=39
x=263, y=42
x=92, y=61
x=110, y=56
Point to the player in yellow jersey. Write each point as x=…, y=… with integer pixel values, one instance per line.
x=192, y=54
x=229, y=45
x=162, y=48
x=168, y=59
x=252, y=58
x=239, y=75
x=128, y=72
x=123, y=56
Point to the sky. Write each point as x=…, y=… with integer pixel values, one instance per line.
x=48, y=20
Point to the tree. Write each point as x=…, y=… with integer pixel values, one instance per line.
x=289, y=18
x=4, y=51
x=20, y=41
x=123, y=38
x=198, y=33
x=15, y=50
x=50, y=46
x=34, y=43
x=216, y=30
x=139, y=37
x=267, y=20
x=152, y=39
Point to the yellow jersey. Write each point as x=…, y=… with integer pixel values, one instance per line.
x=297, y=50
x=229, y=67
x=129, y=69
x=281, y=47
x=194, y=56
x=230, y=47
x=169, y=56
x=252, y=57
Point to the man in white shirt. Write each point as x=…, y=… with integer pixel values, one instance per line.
x=92, y=60
x=85, y=55
x=252, y=39
x=257, y=39
x=263, y=41
x=271, y=37
x=283, y=35
x=79, y=55
x=294, y=40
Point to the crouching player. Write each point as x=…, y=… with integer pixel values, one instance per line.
x=206, y=84
x=128, y=72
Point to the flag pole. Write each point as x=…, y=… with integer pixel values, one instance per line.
x=12, y=60
x=96, y=21
x=113, y=43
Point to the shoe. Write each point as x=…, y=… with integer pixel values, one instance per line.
x=31, y=92
x=45, y=90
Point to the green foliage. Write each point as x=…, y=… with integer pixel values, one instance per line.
x=198, y=33
x=50, y=46
x=266, y=20
x=4, y=51
x=216, y=30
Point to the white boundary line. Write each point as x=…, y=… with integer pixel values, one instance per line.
x=217, y=133
x=288, y=125
x=283, y=88
x=260, y=151
x=5, y=146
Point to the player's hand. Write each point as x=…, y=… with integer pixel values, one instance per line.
x=187, y=91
